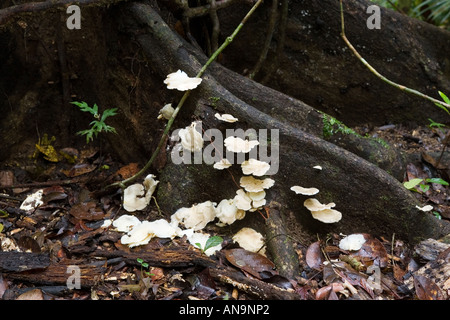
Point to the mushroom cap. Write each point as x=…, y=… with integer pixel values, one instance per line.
x=257, y=204
x=141, y=234
x=242, y=200
x=228, y=212
x=179, y=80
x=250, y=240
x=255, y=167
x=222, y=164
x=226, y=117
x=236, y=144
x=305, y=191
x=425, y=208
x=252, y=184
x=126, y=223
x=197, y=216
x=313, y=204
x=162, y=228
x=32, y=201
x=150, y=184
x=191, y=139
x=352, y=242
x=327, y=215
x=257, y=196
x=134, y=198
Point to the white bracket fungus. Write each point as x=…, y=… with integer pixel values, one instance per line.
x=305, y=191
x=191, y=139
x=250, y=240
x=222, y=164
x=143, y=232
x=352, y=242
x=252, y=184
x=327, y=215
x=315, y=205
x=255, y=167
x=126, y=223
x=32, y=201
x=138, y=196
x=179, y=80
x=425, y=208
x=197, y=216
x=323, y=212
x=227, y=212
x=236, y=144
x=242, y=200
x=226, y=117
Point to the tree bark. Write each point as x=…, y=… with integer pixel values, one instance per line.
x=317, y=68
x=123, y=57
x=369, y=198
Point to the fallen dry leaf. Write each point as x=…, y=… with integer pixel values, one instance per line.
x=250, y=262
x=34, y=294
x=426, y=289
x=372, y=252
x=87, y=211
x=128, y=171
x=314, y=256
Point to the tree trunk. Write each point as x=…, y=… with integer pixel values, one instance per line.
x=122, y=58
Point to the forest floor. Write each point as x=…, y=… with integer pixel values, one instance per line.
x=61, y=249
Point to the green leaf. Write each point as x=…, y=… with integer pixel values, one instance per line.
x=444, y=97
x=108, y=113
x=446, y=100
x=85, y=107
x=424, y=187
x=3, y=214
x=412, y=183
x=212, y=242
x=437, y=215
x=438, y=181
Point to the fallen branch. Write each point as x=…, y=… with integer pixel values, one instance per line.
x=8, y=13
x=279, y=244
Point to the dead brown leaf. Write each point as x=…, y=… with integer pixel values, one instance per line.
x=314, y=256
x=34, y=294
x=87, y=211
x=372, y=252
x=128, y=171
x=426, y=289
x=250, y=262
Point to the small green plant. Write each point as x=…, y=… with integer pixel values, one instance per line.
x=332, y=125
x=423, y=183
x=434, y=124
x=97, y=125
x=144, y=265
x=446, y=100
x=211, y=242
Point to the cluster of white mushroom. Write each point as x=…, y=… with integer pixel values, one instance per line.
x=195, y=218
x=319, y=211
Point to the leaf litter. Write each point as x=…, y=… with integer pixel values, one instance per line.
x=67, y=228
